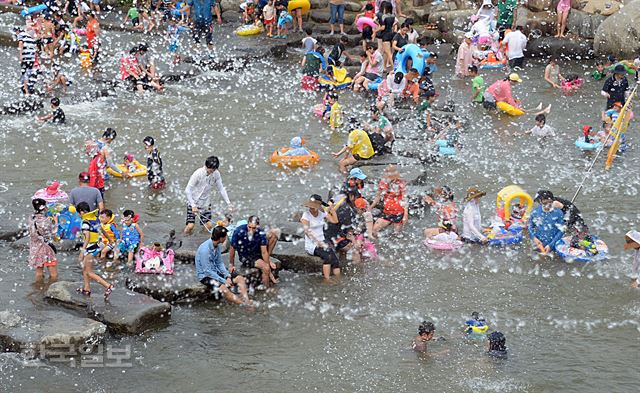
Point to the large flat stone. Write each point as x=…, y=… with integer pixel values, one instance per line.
x=574, y=48
x=387, y=159
x=292, y=256
x=44, y=332
x=125, y=312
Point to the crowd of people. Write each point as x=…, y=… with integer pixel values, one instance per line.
x=349, y=224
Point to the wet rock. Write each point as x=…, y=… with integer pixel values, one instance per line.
x=584, y=24
x=543, y=21
x=186, y=246
x=13, y=235
x=125, y=312
x=292, y=256
x=230, y=5
x=181, y=286
x=352, y=6
x=602, y=7
x=6, y=39
x=319, y=4
x=539, y=5
x=45, y=331
x=63, y=245
x=231, y=16
x=575, y=48
x=450, y=20
x=291, y=230
x=323, y=16
x=619, y=34
x=26, y=105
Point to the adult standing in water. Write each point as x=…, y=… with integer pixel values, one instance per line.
x=545, y=223
x=85, y=193
x=632, y=242
x=616, y=87
x=198, y=193
x=471, y=219
x=203, y=20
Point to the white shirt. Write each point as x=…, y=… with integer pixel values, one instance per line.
x=316, y=226
x=517, y=43
x=543, y=131
x=636, y=263
x=200, y=185
x=395, y=88
x=471, y=222
x=412, y=36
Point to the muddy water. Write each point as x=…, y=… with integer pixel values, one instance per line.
x=569, y=327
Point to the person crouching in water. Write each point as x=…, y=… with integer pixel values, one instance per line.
x=426, y=331
x=296, y=148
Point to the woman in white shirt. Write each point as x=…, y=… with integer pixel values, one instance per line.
x=471, y=220
x=313, y=221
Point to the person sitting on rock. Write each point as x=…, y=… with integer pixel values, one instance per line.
x=253, y=246
x=213, y=274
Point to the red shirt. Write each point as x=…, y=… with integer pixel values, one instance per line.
x=393, y=194
x=95, y=172
x=92, y=26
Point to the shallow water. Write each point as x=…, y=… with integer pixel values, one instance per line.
x=569, y=327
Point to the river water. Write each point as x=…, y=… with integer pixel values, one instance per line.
x=569, y=327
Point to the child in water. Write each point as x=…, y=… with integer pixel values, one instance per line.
x=269, y=15
x=90, y=249
x=541, y=129
x=582, y=240
x=426, y=330
x=57, y=114
x=131, y=236
x=476, y=324
x=109, y=235
x=446, y=209
x=129, y=163
x=586, y=134
x=174, y=29
x=86, y=58
x=446, y=234
x=335, y=114
x=496, y=345
x=296, y=148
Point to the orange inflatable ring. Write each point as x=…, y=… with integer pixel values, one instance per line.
x=293, y=162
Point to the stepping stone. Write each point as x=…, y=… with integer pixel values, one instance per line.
x=292, y=256
x=181, y=286
x=125, y=312
x=44, y=333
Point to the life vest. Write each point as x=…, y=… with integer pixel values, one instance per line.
x=109, y=232
x=91, y=224
x=85, y=59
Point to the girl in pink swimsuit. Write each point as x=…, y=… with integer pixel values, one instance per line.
x=564, y=6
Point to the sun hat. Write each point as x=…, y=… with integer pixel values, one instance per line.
x=53, y=188
x=468, y=35
x=515, y=77
x=357, y=173
x=474, y=192
x=315, y=202
x=634, y=236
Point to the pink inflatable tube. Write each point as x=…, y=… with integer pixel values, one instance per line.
x=364, y=21
x=436, y=245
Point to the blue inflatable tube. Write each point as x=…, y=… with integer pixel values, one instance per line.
x=565, y=251
x=69, y=225
x=323, y=61
x=413, y=52
x=582, y=145
x=447, y=151
x=374, y=85
x=442, y=142
x=284, y=19
x=507, y=237
x=33, y=10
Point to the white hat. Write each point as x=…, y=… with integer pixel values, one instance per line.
x=633, y=235
x=468, y=35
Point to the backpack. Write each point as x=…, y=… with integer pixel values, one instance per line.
x=377, y=142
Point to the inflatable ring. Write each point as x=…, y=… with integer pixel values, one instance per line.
x=493, y=65
x=509, y=109
x=582, y=145
x=627, y=66
x=510, y=194
x=58, y=197
x=442, y=246
x=248, y=30
x=365, y=21
x=565, y=251
x=476, y=327
x=447, y=150
x=295, y=4
x=33, y=10
x=325, y=81
x=293, y=162
x=375, y=84
x=413, y=52
x=505, y=237
x=319, y=55
x=284, y=19
x=141, y=170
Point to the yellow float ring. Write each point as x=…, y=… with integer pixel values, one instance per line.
x=510, y=193
x=141, y=170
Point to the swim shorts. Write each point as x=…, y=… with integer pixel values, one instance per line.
x=249, y=260
x=126, y=247
x=393, y=218
x=204, y=215
x=92, y=249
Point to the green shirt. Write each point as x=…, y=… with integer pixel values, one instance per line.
x=383, y=122
x=311, y=65
x=477, y=84
x=425, y=105
x=506, y=9
x=133, y=13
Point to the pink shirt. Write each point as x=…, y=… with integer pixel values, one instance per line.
x=464, y=59
x=501, y=90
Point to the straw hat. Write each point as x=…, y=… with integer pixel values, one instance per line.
x=474, y=192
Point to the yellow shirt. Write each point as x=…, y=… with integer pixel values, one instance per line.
x=335, y=116
x=360, y=144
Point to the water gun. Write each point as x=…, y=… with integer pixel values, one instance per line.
x=588, y=246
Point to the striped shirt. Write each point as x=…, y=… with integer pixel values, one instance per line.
x=28, y=46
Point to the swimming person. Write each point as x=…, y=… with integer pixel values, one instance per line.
x=296, y=148
x=496, y=345
x=426, y=330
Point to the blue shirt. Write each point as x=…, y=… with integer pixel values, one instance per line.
x=546, y=226
x=244, y=246
x=209, y=264
x=202, y=10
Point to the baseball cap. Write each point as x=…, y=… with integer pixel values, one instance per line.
x=84, y=177
x=515, y=77
x=357, y=173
